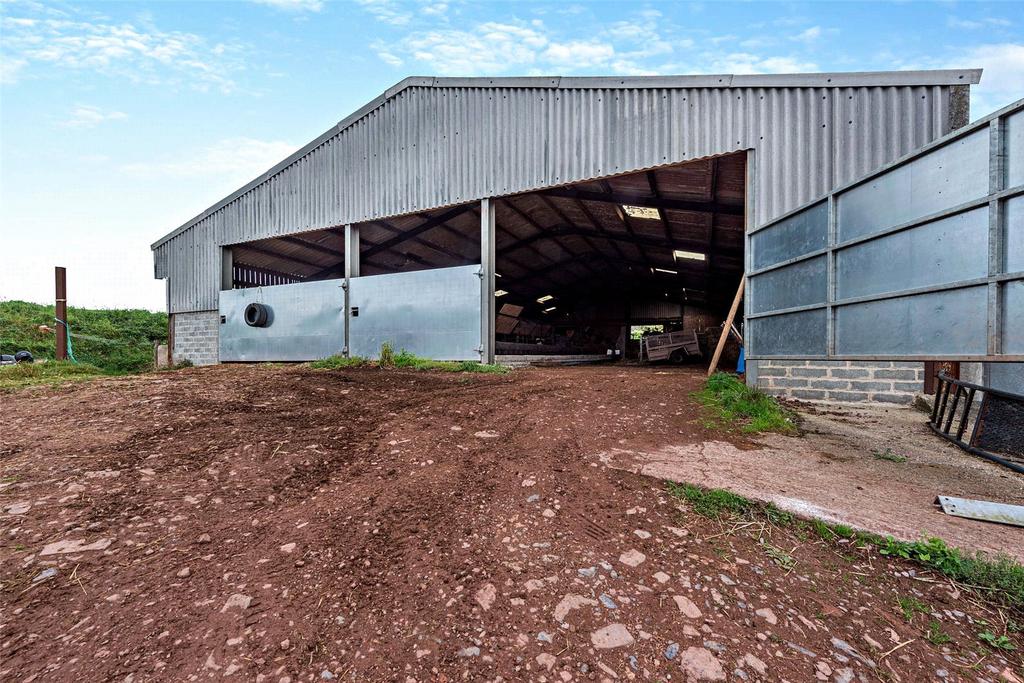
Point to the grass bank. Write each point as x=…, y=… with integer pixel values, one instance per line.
x=995, y=579
x=115, y=341
x=29, y=374
x=730, y=401
x=404, y=359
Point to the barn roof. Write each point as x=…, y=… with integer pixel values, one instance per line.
x=881, y=79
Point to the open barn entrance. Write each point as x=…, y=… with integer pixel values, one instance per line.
x=581, y=271
x=597, y=266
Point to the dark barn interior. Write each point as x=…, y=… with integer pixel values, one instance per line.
x=576, y=266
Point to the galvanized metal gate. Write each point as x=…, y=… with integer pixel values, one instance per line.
x=306, y=321
x=431, y=313
x=919, y=260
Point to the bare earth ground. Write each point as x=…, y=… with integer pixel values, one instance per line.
x=279, y=523
x=832, y=473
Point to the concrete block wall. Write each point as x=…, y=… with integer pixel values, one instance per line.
x=196, y=337
x=842, y=381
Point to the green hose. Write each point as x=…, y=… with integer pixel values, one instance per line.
x=67, y=332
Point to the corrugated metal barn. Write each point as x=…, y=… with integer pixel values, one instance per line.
x=469, y=217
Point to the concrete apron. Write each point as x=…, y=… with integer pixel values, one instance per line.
x=831, y=473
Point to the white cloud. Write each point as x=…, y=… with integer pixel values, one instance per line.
x=488, y=49
x=88, y=116
x=758, y=42
x=749, y=63
x=435, y=9
x=142, y=55
x=974, y=24
x=232, y=161
x=808, y=35
x=645, y=44
x=387, y=11
x=578, y=53
x=1003, y=79
x=293, y=5
x=387, y=57
x=10, y=69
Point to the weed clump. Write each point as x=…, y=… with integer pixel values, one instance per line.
x=713, y=503
x=733, y=401
x=999, y=578
x=27, y=374
x=405, y=360
x=890, y=455
x=339, y=362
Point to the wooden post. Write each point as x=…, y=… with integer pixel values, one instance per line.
x=61, y=313
x=726, y=327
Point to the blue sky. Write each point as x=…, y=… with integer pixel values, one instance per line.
x=119, y=121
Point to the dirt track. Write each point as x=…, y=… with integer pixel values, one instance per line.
x=278, y=522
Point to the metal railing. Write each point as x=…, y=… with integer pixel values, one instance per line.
x=995, y=422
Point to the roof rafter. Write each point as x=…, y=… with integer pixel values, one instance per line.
x=428, y=224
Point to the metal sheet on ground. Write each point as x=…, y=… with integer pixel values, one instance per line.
x=431, y=313
x=307, y=322
x=987, y=511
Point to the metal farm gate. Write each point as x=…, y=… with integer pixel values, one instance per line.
x=433, y=313
x=922, y=259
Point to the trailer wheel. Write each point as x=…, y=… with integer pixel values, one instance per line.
x=678, y=356
x=257, y=315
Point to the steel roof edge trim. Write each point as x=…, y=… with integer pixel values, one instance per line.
x=809, y=80
x=946, y=139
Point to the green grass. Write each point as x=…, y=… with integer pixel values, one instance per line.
x=998, y=642
x=115, y=341
x=998, y=579
x=935, y=635
x=1000, y=574
x=28, y=374
x=888, y=454
x=387, y=356
x=713, y=503
x=733, y=401
x=910, y=606
x=405, y=360
x=339, y=363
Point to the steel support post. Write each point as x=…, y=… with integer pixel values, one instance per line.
x=351, y=271
x=351, y=251
x=996, y=233
x=487, y=301
x=227, y=266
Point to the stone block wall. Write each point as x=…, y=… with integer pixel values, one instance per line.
x=842, y=381
x=197, y=337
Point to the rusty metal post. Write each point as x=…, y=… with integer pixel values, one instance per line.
x=62, y=313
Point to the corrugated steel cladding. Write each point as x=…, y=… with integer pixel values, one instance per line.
x=423, y=146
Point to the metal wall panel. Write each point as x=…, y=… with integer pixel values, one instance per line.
x=1015, y=149
x=924, y=257
x=801, y=333
x=949, y=176
x=943, y=324
x=1013, y=318
x=436, y=142
x=307, y=322
x=1014, y=209
x=431, y=313
x=951, y=249
x=799, y=234
x=800, y=284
